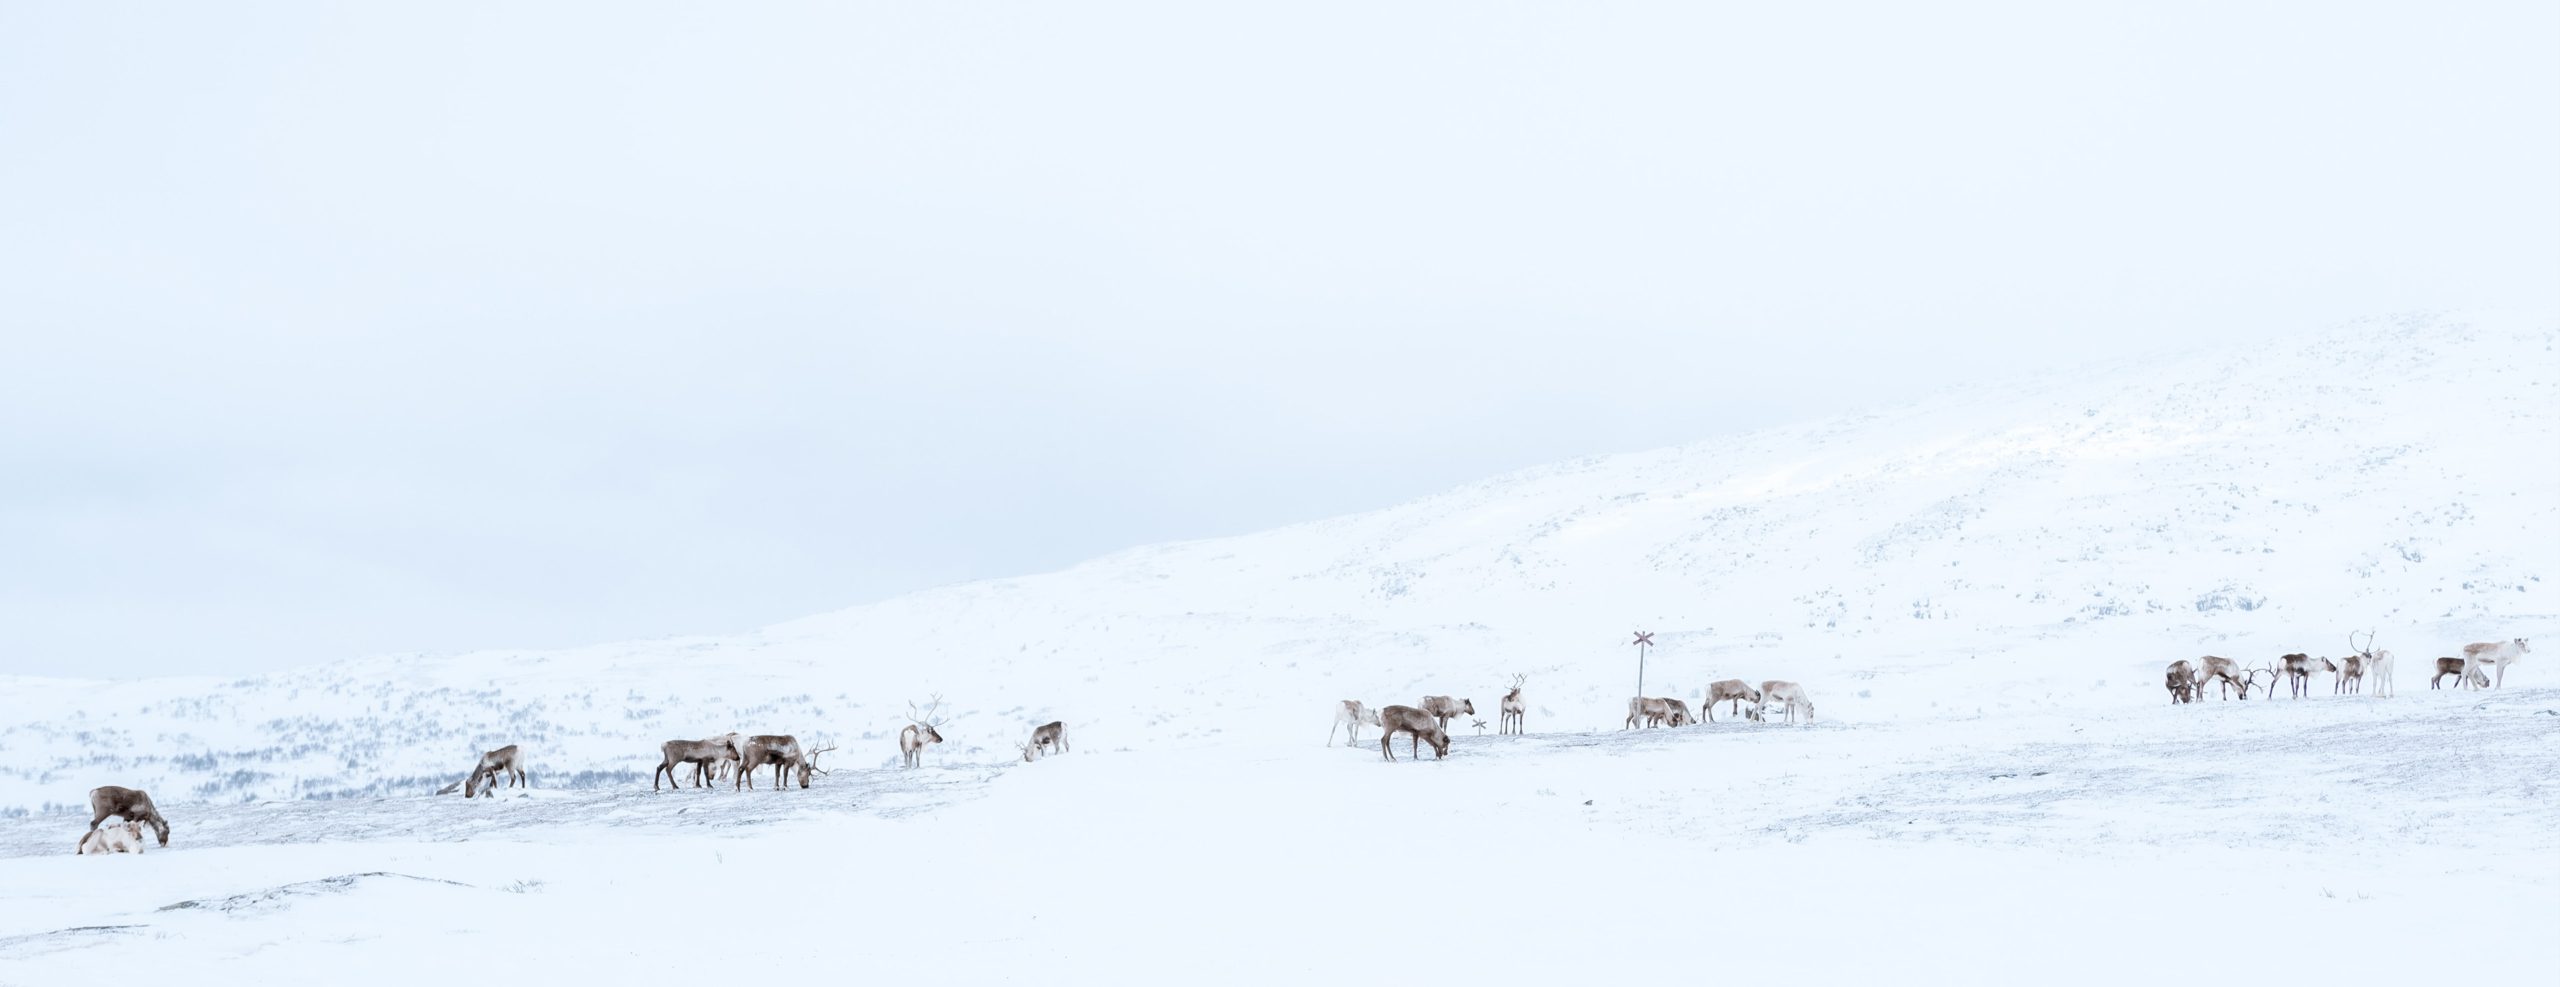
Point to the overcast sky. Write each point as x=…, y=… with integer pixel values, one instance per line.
x=334, y=329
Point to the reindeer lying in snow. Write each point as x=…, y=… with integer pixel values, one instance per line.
x=504, y=759
x=1350, y=713
x=119, y=838
x=1423, y=726
x=133, y=804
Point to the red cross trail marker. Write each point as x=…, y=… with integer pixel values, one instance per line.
x=1644, y=640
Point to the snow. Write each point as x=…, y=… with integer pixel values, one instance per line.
x=1979, y=593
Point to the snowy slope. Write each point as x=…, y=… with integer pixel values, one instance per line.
x=2028, y=545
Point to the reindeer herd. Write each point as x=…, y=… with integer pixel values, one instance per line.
x=1428, y=723
x=734, y=757
x=2187, y=680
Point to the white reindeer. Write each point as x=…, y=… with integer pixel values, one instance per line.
x=2377, y=664
x=1350, y=713
x=2500, y=654
x=922, y=728
x=1788, y=693
x=1515, y=711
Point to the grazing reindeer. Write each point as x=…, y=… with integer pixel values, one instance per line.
x=1679, y=712
x=922, y=728
x=1350, y=713
x=1652, y=711
x=782, y=751
x=1444, y=709
x=119, y=838
x=1788, y=693
x=1733, y=689
x=2499, y=653
x=2215, y=668
x=1423, y=726
x=2350, y=677
x=1049, y=735
x=1515, y=712
x=702, y=754
x=2377, y=664
x=503, y=760
x=2454, y=667
x=133, y=804
x=2182, y=682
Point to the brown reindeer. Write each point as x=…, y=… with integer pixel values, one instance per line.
x=782, y=751
x=1515, y=712
x=2350, y=677
x=702, y=754
x=922, y=728
x=1736, y=690
x=1046, y=736
x=2298, y=668
x=119, y=838
x=132, y=804
x=1680, y=716
x=2453, y=667
x=503, y=760
x=1350, y=713
x=1423, y=726
x=2215, y=668
x=1444, y=709
x=2182, y=682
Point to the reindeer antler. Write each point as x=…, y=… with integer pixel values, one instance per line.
x=927, y=719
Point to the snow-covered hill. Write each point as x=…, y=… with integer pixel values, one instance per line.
x=2041, y=543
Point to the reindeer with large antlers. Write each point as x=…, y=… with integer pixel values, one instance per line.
x=2377, y=664
x=923, y=727
x=1515, y=711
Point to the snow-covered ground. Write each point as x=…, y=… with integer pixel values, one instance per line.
x=1979, y=591
x=2327, y=837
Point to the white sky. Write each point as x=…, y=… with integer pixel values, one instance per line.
x=329, y=330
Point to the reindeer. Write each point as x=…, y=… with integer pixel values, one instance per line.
x=1444, y=709
x=1046, y=736
x=1350, y=713
x=504, y=760
x=119, y=838
x=922, y=728
x=1786, y=692
x=133, y=804
x=1651, y=711
x=2350, y=677
x=2498, y=653
x=1733, y=689
x=1423, y=726
x=2182, y=682
x=2377, y=664
x=2298, y=669
x=2454, y=667
x=1680, y=716
x=782, y=751
x=702, y=754
x=1515, y=712
x=2215, y=668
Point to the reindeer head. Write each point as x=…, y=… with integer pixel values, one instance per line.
x=1030, y=751
x=809, y=763
x=1517, y=682
x=159, y=827
x=1468, y=706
